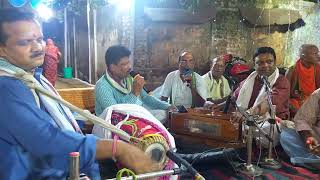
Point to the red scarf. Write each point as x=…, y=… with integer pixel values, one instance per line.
x=303, y=82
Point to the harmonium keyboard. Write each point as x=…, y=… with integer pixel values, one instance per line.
x=213, y=129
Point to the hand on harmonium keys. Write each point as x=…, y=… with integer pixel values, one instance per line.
x=172, y=108
x=236, y=118
x=210, y=106
x=259, y=109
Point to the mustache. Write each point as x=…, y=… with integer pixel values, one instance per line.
x=37, y=54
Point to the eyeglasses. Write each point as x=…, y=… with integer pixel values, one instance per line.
x=187, y=61
x=259, y=63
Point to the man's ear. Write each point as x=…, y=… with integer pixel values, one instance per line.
x=111, y=68
x=2, y=50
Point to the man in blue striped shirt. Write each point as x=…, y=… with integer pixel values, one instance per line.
x=117, y=86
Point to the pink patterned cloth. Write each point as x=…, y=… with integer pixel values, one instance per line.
x=140, y=127
x=51, y=60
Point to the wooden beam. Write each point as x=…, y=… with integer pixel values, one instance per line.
x=180, y=15
x=265, y=17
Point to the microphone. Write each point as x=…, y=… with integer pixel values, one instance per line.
x=227, y=106
x=231, y=100
x=180, y=161
x=186, y=72
x=233, y=85
x=133, y=74
x=265, y=81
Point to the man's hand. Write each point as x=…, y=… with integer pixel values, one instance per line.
x=138, y=83
x=210, y=106
x=187, y=79
x=172, y=108
x=236, y=118
x=311, y=142
x=134, y=159
x=313, y=145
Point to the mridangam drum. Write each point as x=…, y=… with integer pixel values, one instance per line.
x=154, y=139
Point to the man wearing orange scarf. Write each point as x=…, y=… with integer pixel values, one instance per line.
x=304, y=76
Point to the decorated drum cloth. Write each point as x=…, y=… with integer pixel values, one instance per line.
x=154, y=140
x=140, y=123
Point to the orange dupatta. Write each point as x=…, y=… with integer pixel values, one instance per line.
x=304, y=82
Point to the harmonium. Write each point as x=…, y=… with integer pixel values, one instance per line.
x=200, y=126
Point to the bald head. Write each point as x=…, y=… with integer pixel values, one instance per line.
x=183, y=54
x=305, y=47
x=309, y=53
x=186, y=61
x=218, y=67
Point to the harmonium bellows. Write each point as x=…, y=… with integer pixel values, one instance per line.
x=206, y=127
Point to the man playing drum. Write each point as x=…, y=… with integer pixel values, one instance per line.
x=37, y=133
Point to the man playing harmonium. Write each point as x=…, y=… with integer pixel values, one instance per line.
x=251, y=95
x=184, y=86
x=37, y=132
x=218, y=87
x=117, y=86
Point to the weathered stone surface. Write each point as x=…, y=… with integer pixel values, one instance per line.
x=157, y=45
x=269, y=16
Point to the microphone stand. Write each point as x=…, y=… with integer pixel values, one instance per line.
x=150, y=175
x=270, y=162
x=233, y=86
x=176, y=158
x=248, y=168
x=184, y=168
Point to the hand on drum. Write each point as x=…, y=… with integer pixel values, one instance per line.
x=135, y=159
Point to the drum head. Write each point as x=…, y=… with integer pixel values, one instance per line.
x=156, y=146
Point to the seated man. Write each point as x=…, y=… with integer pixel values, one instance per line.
x=184, y=86
x=218, y=87
x=302, y=143
x=304, y=76
x=118, y=87
x=36, y=132
x=251, y=94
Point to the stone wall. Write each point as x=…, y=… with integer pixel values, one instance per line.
x=113, y=27
x=308, y=34
x=157, y=44
x=287, y=44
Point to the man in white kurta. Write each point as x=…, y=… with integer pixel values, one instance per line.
x=184, y=86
